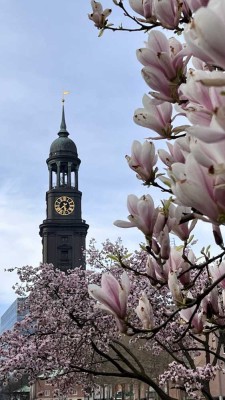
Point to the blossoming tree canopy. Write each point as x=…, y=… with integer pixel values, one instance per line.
x=164, y=299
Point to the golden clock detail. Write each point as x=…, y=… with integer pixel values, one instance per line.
x=64, y=205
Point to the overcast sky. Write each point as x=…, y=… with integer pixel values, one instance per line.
x=48, y=46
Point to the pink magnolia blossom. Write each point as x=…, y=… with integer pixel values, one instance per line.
x=175, y=288
x=155, y=116
x=176, y=263
x=99, y=16
x=186, y=11
x=210, y=155
x=210, y=134
x=197, y=100
x=178, y=151
x=196, y=4
x=203, y=96
x=144, y=312
x=164, y=241
x=144, y=8
x=191, y=183
x=166, y=157
x=201, y=65
x=161, y=220
x=164, y=63
x=210, y=304
x=214, y=83
x=197, y=319
x=156, y=273
x=168, y=12
x=112, y=296
x=142, y=160
x=217, y=271
x=176, y=213
x=207, y=44
x=171, y=215
x=151, y=270
x=161, y=241
x=142, y=214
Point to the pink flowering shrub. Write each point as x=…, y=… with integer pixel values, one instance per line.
x=67, y=336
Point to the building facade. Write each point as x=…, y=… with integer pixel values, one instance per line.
x=42, y=390
x=15, y=313
x=63, y=231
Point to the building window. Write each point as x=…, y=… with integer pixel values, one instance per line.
x=64, y=255
x=47, y=393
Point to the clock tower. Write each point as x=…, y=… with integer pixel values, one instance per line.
x=63, y=231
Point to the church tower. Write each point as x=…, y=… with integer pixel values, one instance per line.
x=63, y=231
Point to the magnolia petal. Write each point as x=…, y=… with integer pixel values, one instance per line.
x=174, y=287
x=107, y=12
x=143, y=118
x=110, y=285
x=136, y=151
x=123, y=224
x=158, y=42
x=98, y=294
x=96, y=6
x=148, y=157
x=146, y=209
x=132, y=202
x=125, y=282
x=137, y=6
x=207, y=134
x=144, y=312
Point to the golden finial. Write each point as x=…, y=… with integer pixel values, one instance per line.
x=64, y=94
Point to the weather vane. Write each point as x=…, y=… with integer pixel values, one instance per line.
x=64, y=94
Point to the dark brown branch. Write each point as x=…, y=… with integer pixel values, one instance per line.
x=131, y=354
x=124, y=373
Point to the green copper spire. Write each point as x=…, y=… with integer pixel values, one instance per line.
x=63, y=130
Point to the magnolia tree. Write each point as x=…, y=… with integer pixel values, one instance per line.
x=163, y=300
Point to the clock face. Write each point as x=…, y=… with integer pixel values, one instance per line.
x=64, y=205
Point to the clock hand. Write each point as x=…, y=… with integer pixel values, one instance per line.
x=64, y=206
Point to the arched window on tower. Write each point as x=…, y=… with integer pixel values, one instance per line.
x=54, y=179
x=73, y=179
x=64, y=175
